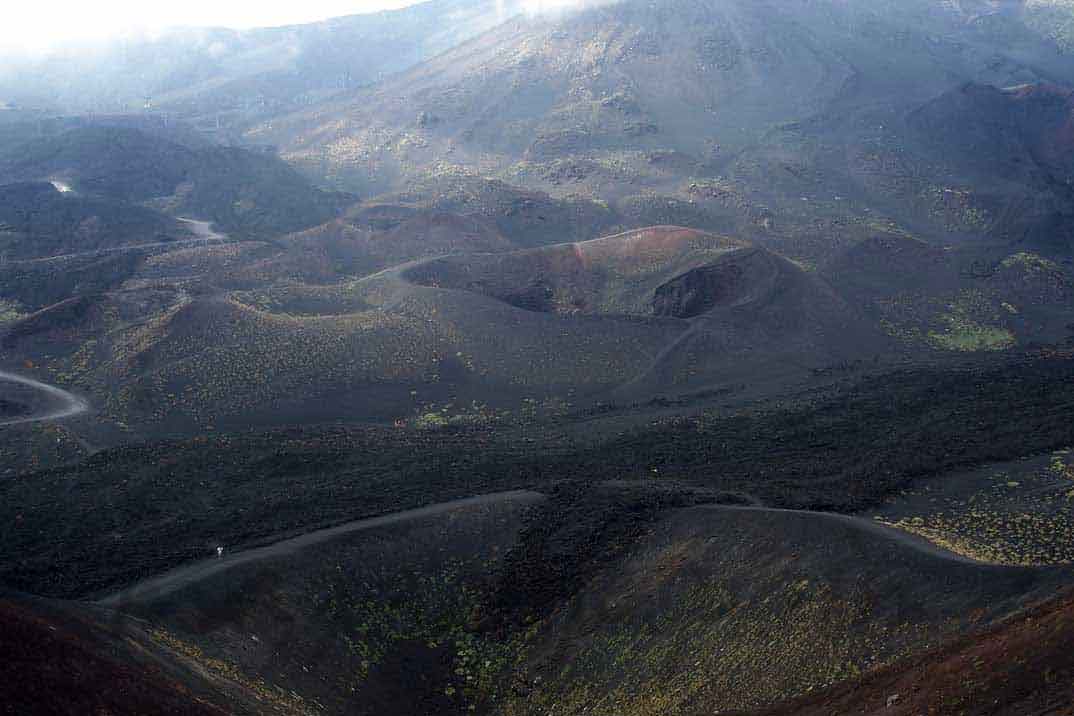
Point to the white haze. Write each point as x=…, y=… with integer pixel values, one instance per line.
x=36, y=28
x=545, y=7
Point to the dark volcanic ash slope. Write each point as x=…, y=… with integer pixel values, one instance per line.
x=67, y=658
x=1020, y=668
x=962, y=298
x=664, y=310
x=743, y=310
x=375, y=621
x=613, y=275
x=980, y=164
x=720, y=608
x=38, y=221
x=372, y=238
x=754, y=313
x=1017, y=146
x=709, y=608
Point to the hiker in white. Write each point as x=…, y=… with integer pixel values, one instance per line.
x=219, y=551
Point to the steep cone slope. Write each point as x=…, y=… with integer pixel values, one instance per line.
x=753, y=313
x=613, y=275
x=372, y=621
x=1021, y=668
x=747, y=308
x=713, y=608
x=1002, y=131
x=731, y=608
x=66, y=658
x=1016, y=145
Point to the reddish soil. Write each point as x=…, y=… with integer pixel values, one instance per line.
x=1022, y=667
x=56, y=662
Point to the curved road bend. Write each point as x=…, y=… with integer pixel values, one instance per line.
x=176, y=579
x=202, y=230
x=71, y=404
x=906, y=539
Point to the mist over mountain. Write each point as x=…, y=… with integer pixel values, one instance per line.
x=631, y=357
x=225, y=78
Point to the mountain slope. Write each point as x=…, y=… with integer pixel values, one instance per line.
x=244, y=192
x=65, y=657
x=721, y=608
x=706, y=608
x=797, y=126
x=1017, y=145
x=624, y=78
x=224, y=79
x=1021, y=667
x=37, y=220
x=594, y=94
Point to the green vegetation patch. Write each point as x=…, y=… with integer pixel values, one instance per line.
x=1030, y=262
x=1013, y=513
x=712, y=646
x=274, y=698
x=423, y=614
x=1054, y=20
x=971, y=320
x=966, y=335
x=10, y=312
x=303, y=300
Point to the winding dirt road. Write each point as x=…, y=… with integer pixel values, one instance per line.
x=202, y=230
x=906, y=539
x=176, y=579
x=71, y=404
